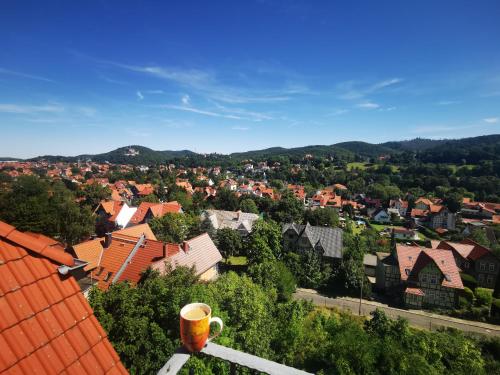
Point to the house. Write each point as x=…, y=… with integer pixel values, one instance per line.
x=46, y=324
x=184, y=184
x=142, y=190
x=92, y=252
x=326, y=241
x=148, y=211
x=381, y=215
x=298, y=191
x=400, y=205
x=473, y=259
x=405, y=234
x=423, y=277
x=199, y=252
x=432, y=214
x=370, y=267
x=236, y=220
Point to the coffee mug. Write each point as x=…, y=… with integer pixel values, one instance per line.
x=195, y=326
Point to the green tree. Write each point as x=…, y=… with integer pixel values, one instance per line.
x=226, y=200
x=323, y=217
x=274, y=275
x=95, y=193
x=264, y=242
x=229, y=242
x=175, y=227
x=288, y=209
x=248, y=205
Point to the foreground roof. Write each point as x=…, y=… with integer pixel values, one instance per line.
x=46, y=325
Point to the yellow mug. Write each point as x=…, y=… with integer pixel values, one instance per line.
x=195, y=320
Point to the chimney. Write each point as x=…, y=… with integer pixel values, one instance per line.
x=108, y=239
x=185, y=246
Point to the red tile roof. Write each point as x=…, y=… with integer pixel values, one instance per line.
x=415, y=291
x=46, y=325
x=148, y=253
x=157, y=209
x=141, y=212
x=412, y=259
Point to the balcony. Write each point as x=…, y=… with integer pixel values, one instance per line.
x=235, y=357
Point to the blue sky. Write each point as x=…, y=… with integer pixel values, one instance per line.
x=225, y=76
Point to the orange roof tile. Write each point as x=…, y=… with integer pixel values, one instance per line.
x=46, y=324
x=148, y=253
x=89, y=251
x=137, y=231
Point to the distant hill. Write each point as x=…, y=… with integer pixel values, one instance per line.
x=470, y=150
x=136, y=155
x=9, y=159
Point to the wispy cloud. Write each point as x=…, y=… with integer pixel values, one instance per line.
x=448, y=102
x=240, y=128
x=202, y=112
x=24, y=75
x=186, y=100
x=353, y=90
x=139, y=95
x=387, y=109
x=368, y=105
x=28, y=109
x=337, y=112
x=438, y=128
x=491, y=120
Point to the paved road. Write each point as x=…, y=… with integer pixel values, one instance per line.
x=416, y=318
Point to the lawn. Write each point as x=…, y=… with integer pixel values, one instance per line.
x=356, y=165
x=237, y=261
x=381, y=227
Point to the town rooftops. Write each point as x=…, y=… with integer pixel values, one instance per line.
x=46, y=325
x=156, y=209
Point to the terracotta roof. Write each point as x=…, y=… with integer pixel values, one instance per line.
x=48, y=249
x=112, y=259
x=478, y=251
x=415, y=291
x=148, y=253
x=137, y=231
x=46, y=325
x=199, y=252
x=141, y=212
x=412, y=259
x=89, y=251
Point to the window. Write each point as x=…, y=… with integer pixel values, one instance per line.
x=430, y=294
x=480, y=278
x=492, y=267
x=433, y=279
x=489, y=280
x=482, y=266
x=108, y=275
x=424, y=278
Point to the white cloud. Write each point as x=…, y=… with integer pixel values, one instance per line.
x=491, y=120
x=353, y=90
x=368, y=105
x=337, y=112
x=387, y=109
x=448, y=102
x=139, y=95
x=203, y=112
x=186, y=100
x=241, y=128
x=28, y=109
x=24, y=75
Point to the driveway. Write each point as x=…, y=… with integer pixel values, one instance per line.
x=416, y=318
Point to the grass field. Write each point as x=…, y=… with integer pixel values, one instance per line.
x=356, y=165
x=381, y=227
x=237, y=261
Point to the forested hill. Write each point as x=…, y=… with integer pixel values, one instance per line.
x=469, y=150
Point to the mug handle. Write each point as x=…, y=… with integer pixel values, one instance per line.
x=221, y=325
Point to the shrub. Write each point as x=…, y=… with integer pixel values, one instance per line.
x=468, y=280
x=468, y=294
x=484, y=297
x=463, y=303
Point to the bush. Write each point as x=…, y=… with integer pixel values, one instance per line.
x=468, y=280
x=495, y=307
x=484, y=297
x=463, y=303
x=468, y=294
x=480, y=313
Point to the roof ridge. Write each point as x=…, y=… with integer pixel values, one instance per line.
x=32, y=244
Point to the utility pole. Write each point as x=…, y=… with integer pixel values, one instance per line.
x=361, y=294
